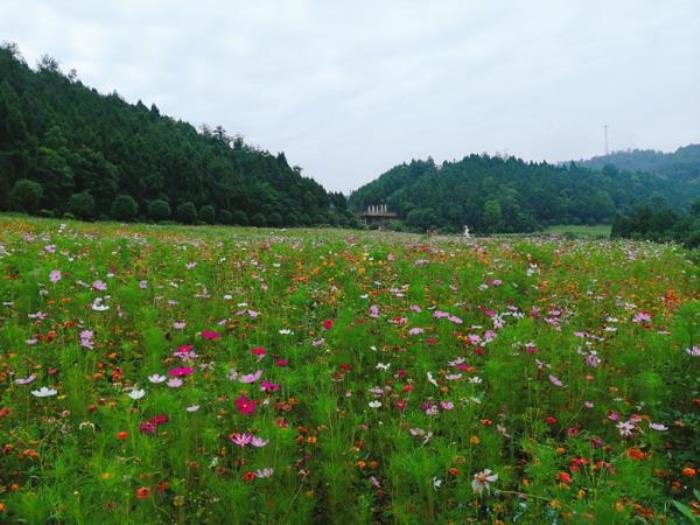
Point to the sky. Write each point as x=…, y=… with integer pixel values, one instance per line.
x=349, y=89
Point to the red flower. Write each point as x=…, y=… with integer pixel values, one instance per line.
x=564, y=477
x=328, y=324
x=143, y=492
x=245, y=405
x=550, y=420
x=258, y=351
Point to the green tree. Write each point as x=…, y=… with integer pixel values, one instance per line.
x=124, y=208
x=82, y=205
x=207, y=214
x=159, y=210
x=186, y=213
x=258, y=219
x=240, y=218
x=492, y=215
x=26, y=196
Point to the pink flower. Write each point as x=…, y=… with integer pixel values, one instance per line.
x=143, y=284
x=55, y=276
x=210, y=335
x=258, y=442
x=99, y=285
x=179, y=325
x=250, y=378
x=241, y=440
x=282, y=362
x=266, y=386
x=245, y=405
x=555, y=380
x=415, y=331
x=181, y=371
x=374, y=311
x=447, y=405
x=328, y=324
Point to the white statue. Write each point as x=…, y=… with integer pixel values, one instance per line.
x=466, y=232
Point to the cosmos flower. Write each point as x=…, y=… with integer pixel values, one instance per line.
x=264, y=473
x=245, y=405
x=25, y=380
x=44, y=392
x=555, y=380
x=137, y=394
x=482, y=481
x=241, y=440
x=250, y=378
x=157, y=378
x=99, y=285
x=55, y=276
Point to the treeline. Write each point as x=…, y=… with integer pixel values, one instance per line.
x=660, y=226
x=684, y=163
x=494, y=194
x=66, y=149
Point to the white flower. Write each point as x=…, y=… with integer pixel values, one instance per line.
x=383, y=366
x=98, y=305
x=431, y=379
x=192, y=408
x=475, y=380
x=157, y=378
x=626, y=428
x=44, y=392
x=375, y=404
x=285, y=331
x=137, y=394
x=437, y=483
x=659, y=427
x=482, y=480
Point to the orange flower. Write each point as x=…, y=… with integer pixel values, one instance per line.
x=121, y=436
x=143, y=492
x=689, y=472
x=636, y=454
x=249, y=476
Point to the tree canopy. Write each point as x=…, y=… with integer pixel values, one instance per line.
x=89, y=151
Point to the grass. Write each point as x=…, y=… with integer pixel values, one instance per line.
x=598, y=231
x=230, y=375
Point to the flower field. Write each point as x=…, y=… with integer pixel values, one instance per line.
x=157, y=374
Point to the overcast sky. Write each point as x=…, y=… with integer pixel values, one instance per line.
x=349, y=89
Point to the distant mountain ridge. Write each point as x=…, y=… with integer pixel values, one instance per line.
x=496, y=194
x=683, y=163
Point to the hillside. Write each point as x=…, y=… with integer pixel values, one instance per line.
x=492, y=194
x=684, y=163
x=98, y=156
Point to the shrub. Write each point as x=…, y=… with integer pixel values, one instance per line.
x=82, y=205
x=26, y=195
x=186, y=213
x=207, y=214
x=159, y=210
x=225, y=217
x=124, y=208
x=240, y=217
x=258, y=220
x=275, y=219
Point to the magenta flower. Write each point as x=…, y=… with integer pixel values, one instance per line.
x=245, y=405
x=181, y=371
x=241, y=440
x=267, y=386
x=374, y=311
x=210, y=335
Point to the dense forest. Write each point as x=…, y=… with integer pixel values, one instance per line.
x=494, y=194
x=684, y=163
x=67, y=150
x=660, y=225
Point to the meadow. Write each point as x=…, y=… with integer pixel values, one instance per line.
x=162, y=374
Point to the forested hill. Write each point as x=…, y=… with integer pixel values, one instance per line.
x=683, y=163
x=492, y=194
x=65, y=148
